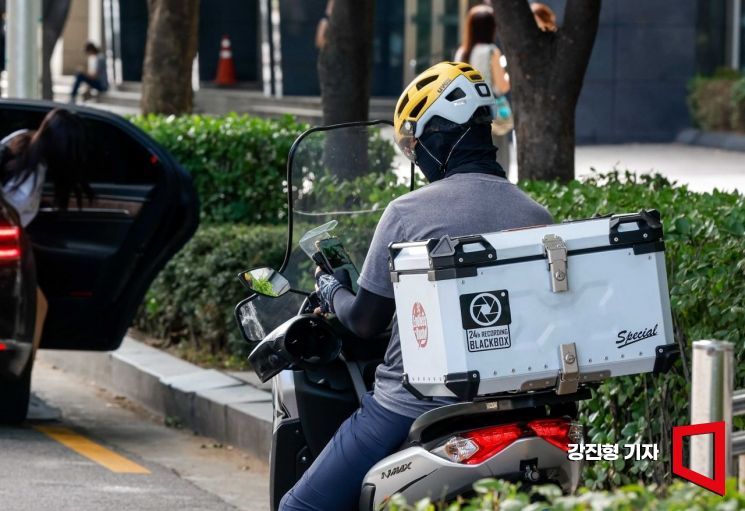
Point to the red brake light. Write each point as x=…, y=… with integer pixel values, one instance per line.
x=10, y=254
x=10, y=249
x=3, y=346
x=9, y=233
x=553, y=431
x=492, y=440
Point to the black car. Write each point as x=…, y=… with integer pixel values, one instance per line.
x=94, y=263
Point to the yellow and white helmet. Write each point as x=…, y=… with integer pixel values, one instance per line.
x=451, y=90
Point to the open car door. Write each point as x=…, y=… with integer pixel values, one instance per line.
x=94, y=263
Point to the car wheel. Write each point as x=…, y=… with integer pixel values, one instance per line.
x=16, y=394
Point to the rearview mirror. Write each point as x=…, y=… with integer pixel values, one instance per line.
x=265, y=281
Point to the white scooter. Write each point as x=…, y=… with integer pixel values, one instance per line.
x=320, y=371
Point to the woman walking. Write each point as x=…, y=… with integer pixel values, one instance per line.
x=479, y=50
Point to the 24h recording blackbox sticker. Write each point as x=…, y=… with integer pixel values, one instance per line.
x=486, y=319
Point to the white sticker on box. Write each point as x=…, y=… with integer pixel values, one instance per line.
x=483, y=339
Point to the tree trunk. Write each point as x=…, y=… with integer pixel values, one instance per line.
x=345, y=62
x=54, y=17
x=169, y=53
x=546, y=70
x=344, y=71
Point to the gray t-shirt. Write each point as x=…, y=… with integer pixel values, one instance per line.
x=459, y=205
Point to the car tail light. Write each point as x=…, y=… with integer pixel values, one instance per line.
x=10, y=248
x=557, y=432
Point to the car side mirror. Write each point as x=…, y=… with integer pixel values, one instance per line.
x=265, y=281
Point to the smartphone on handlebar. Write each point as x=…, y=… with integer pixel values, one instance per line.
x=334, y=257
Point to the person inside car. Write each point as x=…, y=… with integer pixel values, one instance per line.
x=28, y=158
x=442, y=122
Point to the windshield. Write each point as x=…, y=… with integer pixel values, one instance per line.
x=348, y=174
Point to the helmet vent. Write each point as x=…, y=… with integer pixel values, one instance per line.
x=456, y=95
x=418, y=108
x=404, y=101
x=477, y=77
x=466, y=69
x=425, y=81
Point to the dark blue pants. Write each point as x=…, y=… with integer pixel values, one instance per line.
x=81, y=78
x=333, y=481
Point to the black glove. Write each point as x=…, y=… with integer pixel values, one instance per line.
x=328, y=285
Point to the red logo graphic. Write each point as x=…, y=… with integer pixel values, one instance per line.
x=718, y=430
x=419, y=320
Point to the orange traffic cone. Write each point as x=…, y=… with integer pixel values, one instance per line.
x=225, y=66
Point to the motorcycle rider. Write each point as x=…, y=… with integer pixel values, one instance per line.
x=442, y=122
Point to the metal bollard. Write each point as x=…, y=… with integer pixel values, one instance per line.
x=711, y=401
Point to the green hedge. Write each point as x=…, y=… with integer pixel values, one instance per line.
x=494, y=495
x=193, y=298
x=705, y=248
x=717, y=103
x=237, y=161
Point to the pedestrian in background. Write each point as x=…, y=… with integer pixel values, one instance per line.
x=323, y=25
x=95, y=76
x=479, y=50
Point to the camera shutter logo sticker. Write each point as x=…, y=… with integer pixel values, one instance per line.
x=486, y=319
x=485, y=309
x=419, y=322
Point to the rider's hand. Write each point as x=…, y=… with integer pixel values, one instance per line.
x=327, y=286
x=323, y=309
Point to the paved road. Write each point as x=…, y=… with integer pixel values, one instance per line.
x=116, y=456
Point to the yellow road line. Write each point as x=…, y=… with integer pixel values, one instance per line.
x=92, y=450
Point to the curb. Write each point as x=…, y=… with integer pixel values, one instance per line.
x=716, y=139
x=210, y=402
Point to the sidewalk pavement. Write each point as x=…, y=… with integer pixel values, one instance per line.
x=701, y=168
x=234, y=408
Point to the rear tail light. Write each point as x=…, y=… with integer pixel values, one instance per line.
x=477, y=446
x=558, y=432
x=10, y=248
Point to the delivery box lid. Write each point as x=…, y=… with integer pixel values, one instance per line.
x=448, y=257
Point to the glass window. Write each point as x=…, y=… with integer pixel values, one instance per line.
x=423, y=34
x=742, y=35
x=451, y=22
x=711, y=37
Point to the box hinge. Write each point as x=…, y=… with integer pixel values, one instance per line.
x=569, y=372
x=556, y=252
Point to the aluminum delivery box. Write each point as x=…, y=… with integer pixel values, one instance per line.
x=544, y=307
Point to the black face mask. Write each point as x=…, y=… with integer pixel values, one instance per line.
x=458, y=149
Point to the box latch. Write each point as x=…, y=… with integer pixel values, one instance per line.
x=556, y=251
x=569, y=372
